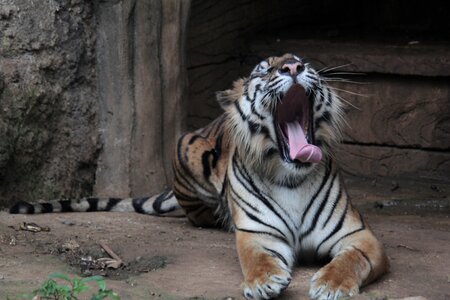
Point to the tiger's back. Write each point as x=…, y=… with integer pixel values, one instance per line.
x=200, y=164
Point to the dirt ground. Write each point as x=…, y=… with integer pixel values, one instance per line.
x=167, y=258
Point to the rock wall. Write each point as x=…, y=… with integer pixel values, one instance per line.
x=91, y=92
x=48, y=99
x=400, y=125
x=91, y=96
x=397, y=111
x=141, y=82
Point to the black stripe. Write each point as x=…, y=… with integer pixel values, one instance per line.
x=264, y=130
x=183, y=196
x=325, y=117
x=244, y=117
x=138, y=204
x=47, y=207
x=217, y=150
x=313, y=224
x=160, y=199
x=322, y=184
x=205, y=163
x=255, y=218
x=329, y=98
x=277, y=254
x=290, y=182
x=191, y=206
x=183, y=166
x=262, y=232
x=183, y=181
x=255, y=191
x=333, y=208
x=111, y=203
x=266, y=200
x=274, y=82
x=22, y=204
x=193, y=138
x=363, y=227
x=336, y=228
x=252, y=106
x=310, y=76
x=65, y=205
x=241, y=199
x=257, y=89
x=254, y=127
x=93, y=204
x=365, y=257
x=269, y=152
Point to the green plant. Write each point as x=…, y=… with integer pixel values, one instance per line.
x=71, y=288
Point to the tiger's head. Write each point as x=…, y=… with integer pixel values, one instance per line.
x=284, y=118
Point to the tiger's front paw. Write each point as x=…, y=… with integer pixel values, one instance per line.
x=330, y=284
x=266, y=286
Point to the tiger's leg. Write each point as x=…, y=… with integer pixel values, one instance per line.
x=266, y=264
x=359, y=259
x=197, y=212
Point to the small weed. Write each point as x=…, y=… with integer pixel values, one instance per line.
x=71, y=288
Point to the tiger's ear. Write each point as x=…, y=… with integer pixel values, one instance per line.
x=228, y=97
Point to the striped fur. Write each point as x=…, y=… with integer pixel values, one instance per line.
x=162, y=203
x=235, y=173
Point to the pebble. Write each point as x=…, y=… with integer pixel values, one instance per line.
x=68, y=222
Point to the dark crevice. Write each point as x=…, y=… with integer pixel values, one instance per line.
x=224, y=61
x=132, y=48
x=406, y=147
x=163, y=70
x=243, y=59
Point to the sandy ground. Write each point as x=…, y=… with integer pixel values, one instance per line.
x=167, y=258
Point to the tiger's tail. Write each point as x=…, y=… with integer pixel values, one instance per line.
x=158, y=204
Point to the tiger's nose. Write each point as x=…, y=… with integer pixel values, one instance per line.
x=293, y=68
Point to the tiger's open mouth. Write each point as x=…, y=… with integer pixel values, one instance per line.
x=294, y=127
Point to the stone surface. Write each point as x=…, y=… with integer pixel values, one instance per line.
x=48, y=136
x=93, y=91
x=399, y=127
x=376, y=161
x=366, y=57
x=141, y=78
x=406, y=112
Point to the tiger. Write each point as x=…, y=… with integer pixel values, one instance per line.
x=264, y=170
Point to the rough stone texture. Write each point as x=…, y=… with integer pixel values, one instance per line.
x=401, y=125
x=51, y=115
x=413, y=164
x=48, y=137
x=141, y=80
x=214, y=49
x=217, y=48
x=406, y=112
x=368, y=57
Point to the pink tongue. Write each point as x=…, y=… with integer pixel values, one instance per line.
x=299, y=147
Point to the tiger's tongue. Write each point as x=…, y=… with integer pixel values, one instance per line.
x=298, y=145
